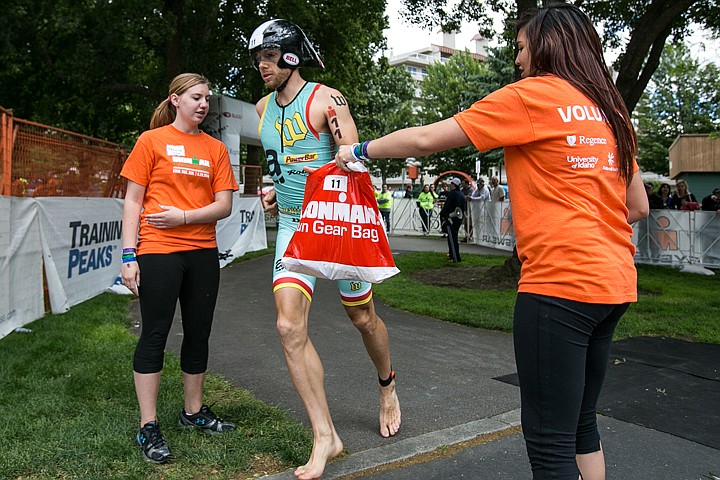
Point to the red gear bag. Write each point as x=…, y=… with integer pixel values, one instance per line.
x=340, y=235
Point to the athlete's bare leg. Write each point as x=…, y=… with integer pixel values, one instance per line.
x=375, y=337
x=307, y=375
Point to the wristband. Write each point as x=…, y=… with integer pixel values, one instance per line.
x=356, y=152
x=129, y=250
x=364, y=149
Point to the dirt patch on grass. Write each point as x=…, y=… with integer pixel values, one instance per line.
x=470, y=277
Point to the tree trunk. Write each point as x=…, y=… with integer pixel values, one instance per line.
x=642, y=55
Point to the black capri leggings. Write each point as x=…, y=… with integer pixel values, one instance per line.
x=561, y=351
x=193, y=277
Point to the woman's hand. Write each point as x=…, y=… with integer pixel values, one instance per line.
x=131, y=276
x=171, y=217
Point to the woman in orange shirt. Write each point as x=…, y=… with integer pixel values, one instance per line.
x=569, y=153
x=179, y=184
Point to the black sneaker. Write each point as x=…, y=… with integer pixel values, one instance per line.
x=154, y=447
x=205, y=421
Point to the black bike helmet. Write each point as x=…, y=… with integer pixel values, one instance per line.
x=296, y=50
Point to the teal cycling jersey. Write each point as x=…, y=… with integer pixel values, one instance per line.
x=291, y=143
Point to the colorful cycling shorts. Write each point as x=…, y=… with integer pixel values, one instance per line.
x=352, y=292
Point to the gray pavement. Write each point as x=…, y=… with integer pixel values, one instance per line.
x=445, y=381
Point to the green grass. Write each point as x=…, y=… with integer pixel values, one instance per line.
x=69, y=409
x=487, y=309
x=255, y=254
x=671, y=303
x=674, y=304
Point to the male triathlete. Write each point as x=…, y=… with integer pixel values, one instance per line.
x=300, y=124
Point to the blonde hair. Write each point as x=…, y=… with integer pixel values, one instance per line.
x=164, y=113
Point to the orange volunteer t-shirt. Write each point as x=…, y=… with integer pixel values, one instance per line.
x=180, y=170
x=567, y=199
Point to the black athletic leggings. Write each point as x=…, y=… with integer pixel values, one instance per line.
x=561, y=351
x=193, y=277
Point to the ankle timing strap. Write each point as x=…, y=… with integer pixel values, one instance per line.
x=385, y=383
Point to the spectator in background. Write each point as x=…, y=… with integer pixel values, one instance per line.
x=385, y=202
x=711, y=203
x=409, y=191
x=665, y=194
x=466, y=188
x=442, y=194
x=682, y=197
x=432, y=190
x=481, y=192
x=498, y=192
x=654, y=200
x=451, y=216
x=20, y=187
x=426, y=202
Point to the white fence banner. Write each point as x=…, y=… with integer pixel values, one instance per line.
x=81, y=241
x=674, y=237
x=243, y=231
x=666, y=237
x=21, y=284
x=492, y=224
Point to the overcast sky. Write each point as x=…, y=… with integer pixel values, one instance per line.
x=403, y=38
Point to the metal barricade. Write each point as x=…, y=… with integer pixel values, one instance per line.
x=675, y=238
x=666, y=237
x=41, y=160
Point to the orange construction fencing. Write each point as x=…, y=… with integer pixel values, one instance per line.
x=39, y=161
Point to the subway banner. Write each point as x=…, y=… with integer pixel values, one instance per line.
x=80, y=241
x=21, y=284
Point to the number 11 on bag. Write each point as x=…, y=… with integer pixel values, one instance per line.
x=337, y=183
x=340, y=234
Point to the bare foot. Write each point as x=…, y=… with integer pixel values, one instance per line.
x=323, y=451
x=389, y=411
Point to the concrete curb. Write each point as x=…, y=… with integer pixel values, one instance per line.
x=405, y=449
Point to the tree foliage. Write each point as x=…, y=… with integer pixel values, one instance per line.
x=682, y=97
x=100, y=67
x=454, y=86
x=384, y=105
x=499, y=71
x=646, y=24
x=445, y=93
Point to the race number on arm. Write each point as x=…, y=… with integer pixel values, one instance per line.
x=330, y=113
